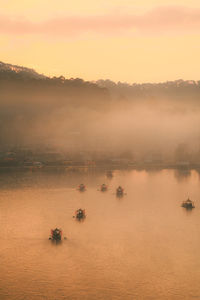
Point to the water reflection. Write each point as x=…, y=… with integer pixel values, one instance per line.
x=119, y=196
x=181, y=174
x=109, y=174
x=56, y=243
x=188, y=211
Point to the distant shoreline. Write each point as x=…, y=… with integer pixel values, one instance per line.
x=106, y=167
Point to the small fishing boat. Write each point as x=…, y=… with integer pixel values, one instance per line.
x=82, y=187
x=103, y=187
x=80, y=214
x=119, y=191
x=56, y=234
x=188, y=204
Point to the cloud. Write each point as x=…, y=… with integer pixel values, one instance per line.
x=160, y=20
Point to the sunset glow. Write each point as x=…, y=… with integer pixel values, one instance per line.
x=118, y=40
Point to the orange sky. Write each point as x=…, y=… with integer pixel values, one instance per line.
x=133, y=41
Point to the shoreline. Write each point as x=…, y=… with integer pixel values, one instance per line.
x=106, y=167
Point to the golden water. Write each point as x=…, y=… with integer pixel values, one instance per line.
x=141, y=246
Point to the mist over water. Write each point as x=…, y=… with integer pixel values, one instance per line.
x=92, y=119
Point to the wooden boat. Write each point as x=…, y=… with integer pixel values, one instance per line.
x=188, y=204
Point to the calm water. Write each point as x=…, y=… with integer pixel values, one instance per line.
x=142, y=246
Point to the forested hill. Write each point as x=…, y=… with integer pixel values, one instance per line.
x=22, y=85
x=23, y=81
x=35, y=107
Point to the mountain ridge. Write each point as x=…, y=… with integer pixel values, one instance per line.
x=106, y=83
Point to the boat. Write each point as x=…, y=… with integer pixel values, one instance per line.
x=56, y=234
x=104, y=187
x=82, y=187
x=80, y=214
x=119, y=191
x=188, y=204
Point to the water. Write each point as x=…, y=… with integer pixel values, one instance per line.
x=141, y=246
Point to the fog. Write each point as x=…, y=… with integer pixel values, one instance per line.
x=73, y=116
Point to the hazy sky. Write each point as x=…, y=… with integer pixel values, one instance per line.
x=134, y=41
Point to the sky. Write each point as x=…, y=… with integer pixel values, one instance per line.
x=122, y=40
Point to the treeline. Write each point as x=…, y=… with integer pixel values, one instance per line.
x=23, y=85
x=174, y=90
